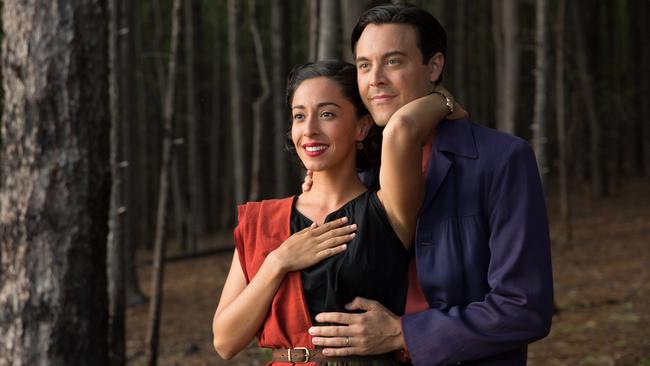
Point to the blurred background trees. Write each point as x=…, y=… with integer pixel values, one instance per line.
x=572, y=77
x=229, y=141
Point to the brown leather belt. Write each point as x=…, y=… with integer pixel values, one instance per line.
x=304, y=355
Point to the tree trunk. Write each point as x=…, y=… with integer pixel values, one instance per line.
x=586, y=89
x=459, y=51
x=540, y=116
x=258, y=104
x=329, y=30
x=197, y=209
x=507, y=62
x=145, y=190
x=181, y=222
x=643, y=14
x=235, y=101
x=217, y=165
x=351, y=10
x=560, y=117
x=54, y=183
x=314, y=20
x=278, y=76
x=159, y=249
x=116, y=253
x=127, y=86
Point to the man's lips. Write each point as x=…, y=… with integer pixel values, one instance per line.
x=381, y=98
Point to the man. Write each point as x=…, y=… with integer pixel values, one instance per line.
x=482, y=244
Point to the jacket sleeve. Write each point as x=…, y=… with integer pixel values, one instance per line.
x=517, y=310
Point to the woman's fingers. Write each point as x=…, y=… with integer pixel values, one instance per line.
x=345, y=230
x=328, y=252
x=329, y=226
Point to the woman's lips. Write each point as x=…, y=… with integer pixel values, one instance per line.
x=314, y=149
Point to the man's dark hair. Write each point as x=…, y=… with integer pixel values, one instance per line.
x=345, y=75
x=431, y=36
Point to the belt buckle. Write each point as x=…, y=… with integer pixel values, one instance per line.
x=306, y=356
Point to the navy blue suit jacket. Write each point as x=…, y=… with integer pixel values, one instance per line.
x=482, y=250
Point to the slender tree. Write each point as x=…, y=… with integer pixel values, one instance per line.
x=329, y=29
x=505, y=28
x=116, y=254
x=258, y=104
x=54, y=183
x=159, y=249
x=459, y=50
x=314, y=25
x=540, y=116
x=586, y=90
x=560, y=117
x=237, y=139
x=643, y=11
x=197, y=222
x=129, y=130
x=351, y=11
x=280, y=118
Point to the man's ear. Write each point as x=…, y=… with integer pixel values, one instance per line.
x=365, y=123
x=436, y=64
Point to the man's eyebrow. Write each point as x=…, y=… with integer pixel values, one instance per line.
x=385, y=55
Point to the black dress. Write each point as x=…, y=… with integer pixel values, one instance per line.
x=373, y=266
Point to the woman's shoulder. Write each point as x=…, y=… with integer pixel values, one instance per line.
x=249, y=212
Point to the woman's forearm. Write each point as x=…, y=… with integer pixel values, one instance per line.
x=236, y=324
x=421, y=116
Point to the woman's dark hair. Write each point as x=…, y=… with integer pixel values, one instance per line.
x=345, y=75
x=431, y=36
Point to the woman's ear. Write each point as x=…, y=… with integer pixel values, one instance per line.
x=365, y=123
x=436, y=64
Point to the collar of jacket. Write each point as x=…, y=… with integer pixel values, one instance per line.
x=456, y=137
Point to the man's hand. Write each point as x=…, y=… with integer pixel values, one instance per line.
x=376, y=331
x=306, y=185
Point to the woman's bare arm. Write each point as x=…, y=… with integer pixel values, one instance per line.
x=243, y=307
x=400, y=176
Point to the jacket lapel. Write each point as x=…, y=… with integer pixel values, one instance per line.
x=455, y=137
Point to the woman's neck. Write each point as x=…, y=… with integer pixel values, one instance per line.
x=330, y=190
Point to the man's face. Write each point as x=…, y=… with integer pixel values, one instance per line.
x=390, y=69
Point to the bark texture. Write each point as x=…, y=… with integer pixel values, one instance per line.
x=506, y=49
x=54, y=183
x=158, y=270
x=540, y=112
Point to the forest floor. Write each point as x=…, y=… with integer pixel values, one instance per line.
x=602, y=287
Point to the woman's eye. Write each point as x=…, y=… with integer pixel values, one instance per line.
x=327, y=115
x=298, y=117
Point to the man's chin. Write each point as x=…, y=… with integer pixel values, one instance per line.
x=381, y=119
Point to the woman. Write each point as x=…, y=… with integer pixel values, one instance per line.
x=299, y=256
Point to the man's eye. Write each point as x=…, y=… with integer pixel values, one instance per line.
x=363, y=66
x=393, y=62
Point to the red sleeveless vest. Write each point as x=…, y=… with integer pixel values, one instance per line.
x=263, y=226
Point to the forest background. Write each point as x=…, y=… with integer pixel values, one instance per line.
x=131, y=129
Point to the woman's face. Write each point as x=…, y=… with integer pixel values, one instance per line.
x=325, y=127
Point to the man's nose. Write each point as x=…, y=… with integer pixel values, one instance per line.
x=377, y=76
